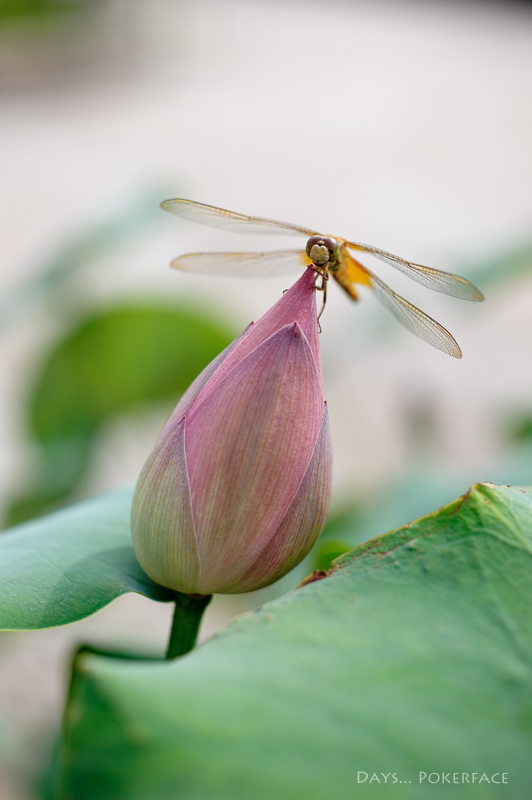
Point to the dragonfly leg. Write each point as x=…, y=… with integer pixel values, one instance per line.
x=323, y=288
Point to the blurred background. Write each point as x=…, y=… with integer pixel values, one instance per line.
x=406, y=125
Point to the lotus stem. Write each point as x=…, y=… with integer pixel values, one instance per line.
x=188, y=613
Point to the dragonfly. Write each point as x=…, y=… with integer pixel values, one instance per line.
x=328, y=256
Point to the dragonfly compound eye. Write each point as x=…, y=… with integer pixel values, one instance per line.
x=333, y=247
x=317, y=250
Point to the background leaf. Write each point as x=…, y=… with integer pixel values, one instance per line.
x=413, y=655
x=70, y=564
x=115, y=360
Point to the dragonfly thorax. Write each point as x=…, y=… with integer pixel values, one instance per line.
x=323, y=250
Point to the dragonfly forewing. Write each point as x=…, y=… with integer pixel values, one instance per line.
x=230, y=220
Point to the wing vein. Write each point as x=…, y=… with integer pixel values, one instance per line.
x=436, y=279
x=415, y=320
x=230, y=220
x=274, y=262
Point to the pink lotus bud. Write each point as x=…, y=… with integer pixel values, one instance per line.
x=237, y=489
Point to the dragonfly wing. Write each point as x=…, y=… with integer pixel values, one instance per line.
x=276, y=262
x=230, y=220
x=415, y=320
x=435, y=279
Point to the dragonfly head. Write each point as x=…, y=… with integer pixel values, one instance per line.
x=323, y=251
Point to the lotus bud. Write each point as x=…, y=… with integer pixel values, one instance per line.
x=237, y=489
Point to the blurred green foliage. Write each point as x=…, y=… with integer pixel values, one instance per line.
x=114, y=361
x=37, y=8
x=118, y=359
x=21, y=9
x=502, y=267
x=521, y=429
